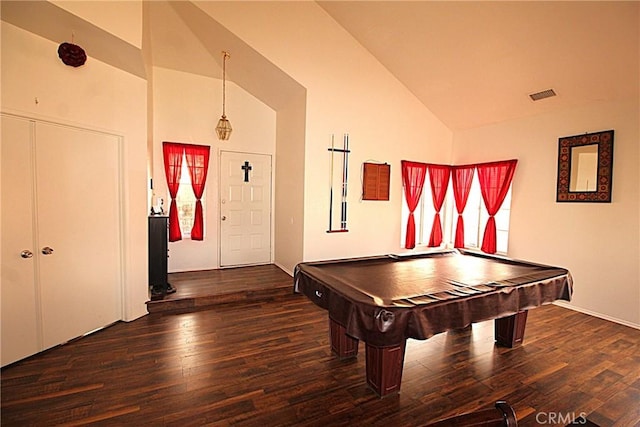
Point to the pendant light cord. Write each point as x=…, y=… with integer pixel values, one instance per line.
x=225, y=55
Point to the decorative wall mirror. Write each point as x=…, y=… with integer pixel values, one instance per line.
x=585, y=167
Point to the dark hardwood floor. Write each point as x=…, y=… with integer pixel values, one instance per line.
x=197, y=290
x=268, y=363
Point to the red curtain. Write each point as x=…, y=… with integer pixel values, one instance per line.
x=495, y=179
x=462, y=176
x=413, y=175
x=172, y=153
x=439, y=178
x=198, y=162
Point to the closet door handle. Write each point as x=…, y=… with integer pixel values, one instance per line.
x=26, y=254
x=47, y=250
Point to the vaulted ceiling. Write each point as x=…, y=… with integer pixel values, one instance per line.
x=475, y=63
x=471, y=63
x=185, y=38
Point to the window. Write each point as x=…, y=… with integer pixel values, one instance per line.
x=475, y=218
x=185, y=164
x=424, y=215
x=186, y=201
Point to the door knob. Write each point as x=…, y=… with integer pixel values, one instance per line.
x=26, y=254
x=47, y=250
x=224, y=218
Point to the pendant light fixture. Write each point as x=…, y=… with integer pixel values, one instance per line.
x=224, y=128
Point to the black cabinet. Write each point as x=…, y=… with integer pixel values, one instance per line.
x=158, y=253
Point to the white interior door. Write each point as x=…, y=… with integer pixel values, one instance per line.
x=245, y=209
x=20, y=334
x=78, y=214
x=60, y=190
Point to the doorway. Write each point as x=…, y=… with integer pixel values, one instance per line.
x=245, y=209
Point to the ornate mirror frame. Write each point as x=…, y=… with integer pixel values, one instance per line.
x=601, y=193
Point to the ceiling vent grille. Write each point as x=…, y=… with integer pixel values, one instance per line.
x=542, y=95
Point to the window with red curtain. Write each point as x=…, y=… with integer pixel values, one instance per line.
x=495, y=179
x=439, y=179
x=172, y=153
x=197, y=157
x=413, y=176
x=462, y=176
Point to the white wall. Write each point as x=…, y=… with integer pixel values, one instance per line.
x=96, y=96
x=347, y=91
x=186, y=108
x=289, y=193
x=597, y=242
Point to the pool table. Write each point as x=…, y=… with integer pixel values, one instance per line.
x=384, y=300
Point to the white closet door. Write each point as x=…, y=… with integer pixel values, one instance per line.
x=18, y=287
x=78, y=215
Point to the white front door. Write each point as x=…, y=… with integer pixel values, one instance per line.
x=245, y=209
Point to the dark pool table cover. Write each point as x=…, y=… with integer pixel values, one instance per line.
x=386, y=299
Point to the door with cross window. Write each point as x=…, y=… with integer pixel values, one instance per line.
x=245, y=209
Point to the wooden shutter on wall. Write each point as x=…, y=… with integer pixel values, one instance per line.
x=375, y=181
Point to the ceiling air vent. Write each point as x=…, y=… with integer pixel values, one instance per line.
x=542, y=95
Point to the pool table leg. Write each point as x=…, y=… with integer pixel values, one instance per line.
x=342, y=344
x=384, y=368
x=509, y=331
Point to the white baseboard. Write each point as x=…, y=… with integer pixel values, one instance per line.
x=596, y=314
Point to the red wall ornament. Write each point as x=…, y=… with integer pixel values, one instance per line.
x=71, y=54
